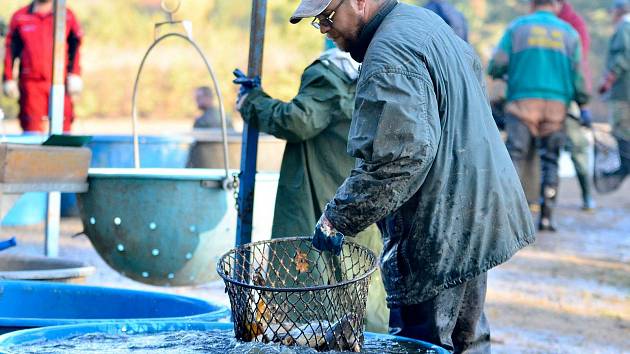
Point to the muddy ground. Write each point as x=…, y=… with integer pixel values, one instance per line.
x=567, y=293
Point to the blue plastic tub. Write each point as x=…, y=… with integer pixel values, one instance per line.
x=27, y=337
x=155, y=151
x=107, y=151
x=28, y=210
x=116, y=151
x=30, y=304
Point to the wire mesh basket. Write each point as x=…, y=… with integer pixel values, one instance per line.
x=606, y=162
x=285, y=291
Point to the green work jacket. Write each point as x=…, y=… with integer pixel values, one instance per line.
x=315, y=124
x=618, y=61
x=433, y=170
x=541, y=56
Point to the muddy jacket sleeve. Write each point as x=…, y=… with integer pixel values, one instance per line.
x=305, y=116
x=394, y=134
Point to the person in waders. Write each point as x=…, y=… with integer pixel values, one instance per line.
x=540, y=57
x=432, y=170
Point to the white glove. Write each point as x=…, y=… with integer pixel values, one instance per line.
x=74, y=84
x=10, y=89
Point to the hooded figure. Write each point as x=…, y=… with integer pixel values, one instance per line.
x=315, y=124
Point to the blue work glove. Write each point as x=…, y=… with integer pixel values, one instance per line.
x=326, y=238
x=586, y=119
x=247, y=84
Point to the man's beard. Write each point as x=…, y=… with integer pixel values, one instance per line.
x=351, y=41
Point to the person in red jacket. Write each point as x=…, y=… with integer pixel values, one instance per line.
x=30, y=39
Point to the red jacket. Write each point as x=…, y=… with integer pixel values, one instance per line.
x=30, y=38
x=568, y=14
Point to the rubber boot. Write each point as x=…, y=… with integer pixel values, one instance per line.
x=624, y=156
x=546, y=209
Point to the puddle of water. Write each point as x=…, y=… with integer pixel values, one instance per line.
x=216, y=341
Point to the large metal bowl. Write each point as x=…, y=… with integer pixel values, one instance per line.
x=163, y=226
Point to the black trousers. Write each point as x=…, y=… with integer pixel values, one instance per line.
x=454, y=319
x=520, y=140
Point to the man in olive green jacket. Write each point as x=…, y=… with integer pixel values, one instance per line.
x=617, y=85
x=315, y=124
x=432, y=171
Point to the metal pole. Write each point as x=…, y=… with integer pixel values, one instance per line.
x=55, y=114
x=249, y=150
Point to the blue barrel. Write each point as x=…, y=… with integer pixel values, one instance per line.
x=31, y=304
x=111, y=328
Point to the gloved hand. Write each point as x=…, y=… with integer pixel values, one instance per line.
x=10, y=89
x=326, y=238
x=247, y=84
x=609, y=80
x=586, y=119
x=74, y=84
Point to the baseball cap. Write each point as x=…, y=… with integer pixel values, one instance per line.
x=309, y=8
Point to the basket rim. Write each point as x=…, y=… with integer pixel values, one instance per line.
x=225, y=278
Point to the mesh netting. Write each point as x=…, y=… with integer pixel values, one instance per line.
x=606, y=162
x=285, y=291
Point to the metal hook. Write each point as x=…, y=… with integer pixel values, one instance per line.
x=170, y=7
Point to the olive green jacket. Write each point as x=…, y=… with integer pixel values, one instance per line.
x=315, y=125
x=433, y=170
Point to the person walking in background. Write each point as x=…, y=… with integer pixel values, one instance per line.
x=30, y=39
x=3, y=28
x=431, y=170
x=451, y=16
x=540, y=56
x=578, y=141
x=210, y=116
x=199, y=156
x=315, y=124
x=616, y=86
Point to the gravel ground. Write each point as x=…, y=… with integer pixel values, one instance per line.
x=567, y=293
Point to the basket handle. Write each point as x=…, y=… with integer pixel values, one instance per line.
x=134, y=114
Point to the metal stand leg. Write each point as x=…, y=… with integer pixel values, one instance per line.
x=249, y=151
x=56, y=114
x=53, y=220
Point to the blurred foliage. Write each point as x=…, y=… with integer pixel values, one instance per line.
x=118, y=33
